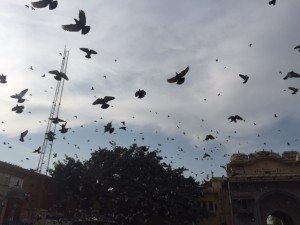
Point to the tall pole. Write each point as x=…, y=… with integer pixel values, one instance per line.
x=46, y=149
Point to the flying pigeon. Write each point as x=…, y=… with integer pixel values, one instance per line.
x=205, y=155
x=20, y=96
x=140, y=93
x=272, y=2
x=18, y=108
x=235, y=118
x=3, y=79
x=56, y=120
x=79, y=24
x=108, y=128
x=58, y=75
x=23, y=134
x=103, y=101
x=88, y=52
x=38, y=150
x=297, y=48
x=209, y=137
x=50, y=136
x=244, y=77
x=294, y=90
x=179, y=77
x=63, y=128
x=291, y=74
x=44, y=3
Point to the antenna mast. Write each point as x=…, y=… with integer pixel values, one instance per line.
x=46, y=149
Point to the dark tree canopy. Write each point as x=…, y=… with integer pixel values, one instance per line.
x=130, y=186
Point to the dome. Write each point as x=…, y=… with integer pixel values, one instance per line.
x=238, y=157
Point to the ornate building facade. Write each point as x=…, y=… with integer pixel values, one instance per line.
x=257, y=186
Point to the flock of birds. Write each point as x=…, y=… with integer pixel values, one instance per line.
x=179, y=78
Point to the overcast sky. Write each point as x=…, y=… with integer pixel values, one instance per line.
x=151, y=41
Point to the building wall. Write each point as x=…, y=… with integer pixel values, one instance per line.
x=263, y=184
x=23, y=188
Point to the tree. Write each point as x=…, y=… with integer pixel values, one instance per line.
x=129, y=185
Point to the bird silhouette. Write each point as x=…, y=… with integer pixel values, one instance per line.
x=63, y=129
x=58, y=75
x=50, y=136
x=44, y=3
x=140, y=93
x=235, y=118
x=209, y=137
x=272, y=2
x=20, y=96
x=3, y=79
x=103, y=101
x=38, y=150
x=179, y=77
x=56, y=120
x=297, y=48
x=79, y=24
x=294, y=90
x=291, y=74
x=88, y=52
x=244, y=77
x=18, y=108
x=108, y=128
x=23, y=134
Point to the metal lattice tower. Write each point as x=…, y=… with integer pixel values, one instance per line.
x=46, y=148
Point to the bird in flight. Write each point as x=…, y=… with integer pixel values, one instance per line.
x=56, y=120
x=179, y=77
x=297, y=48
x=103, y=101
x=235, y=118
x=291, y=74
x=58, y=75
x=272, y=2
x=50, y=136
x=63, y=128
x=44, y=3
x=79, y=24
x=18, y=108
x=244, y=77
x=20, y=96
x=209, y=137
x=140, y=93
x=3, y=79
x=88, y=52
x=23, y=134
x=108, y=128
x=38, y=150
x=294, y=90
